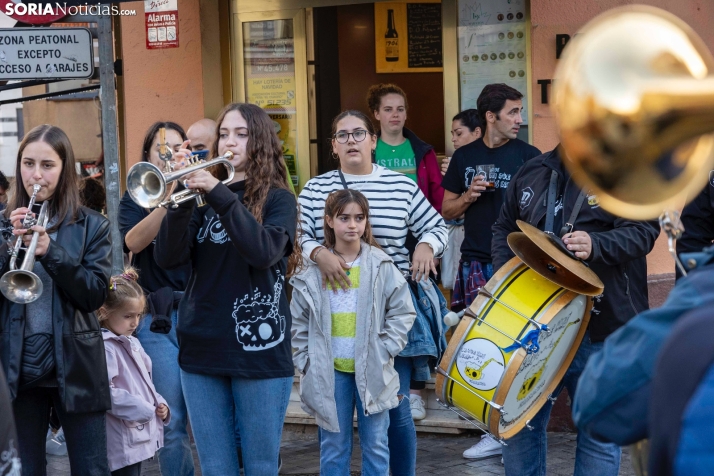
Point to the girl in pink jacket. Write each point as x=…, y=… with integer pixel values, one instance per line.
x=135, y=423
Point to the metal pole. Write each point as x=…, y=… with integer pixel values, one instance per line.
x=109, y=136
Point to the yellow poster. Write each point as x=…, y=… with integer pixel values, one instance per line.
x=269, y=91
x=270, y=84
x=286, y=128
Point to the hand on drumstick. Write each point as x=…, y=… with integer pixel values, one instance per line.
x=579, y=243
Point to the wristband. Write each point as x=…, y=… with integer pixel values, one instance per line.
x=314, y=258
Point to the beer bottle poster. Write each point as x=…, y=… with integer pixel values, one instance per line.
x=408, y=37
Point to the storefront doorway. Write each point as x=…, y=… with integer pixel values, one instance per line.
x=305, y=65
x=304, y=61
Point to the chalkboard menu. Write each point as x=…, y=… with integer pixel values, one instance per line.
x=424, y=35
x=408, y=36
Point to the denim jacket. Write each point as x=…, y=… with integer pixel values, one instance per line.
x=614, y=391
x=426, y=337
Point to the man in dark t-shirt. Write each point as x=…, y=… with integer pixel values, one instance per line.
x=465, y=193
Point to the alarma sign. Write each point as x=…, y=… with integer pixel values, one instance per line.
x=46, y=53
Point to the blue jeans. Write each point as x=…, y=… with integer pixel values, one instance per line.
x=175, y=457
x=525, y=454
x=86, y=434
x=402, y=433
x=215, y=404
x=336, y=448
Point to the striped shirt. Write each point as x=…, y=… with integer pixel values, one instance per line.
x=343, y=309
x=396, y=205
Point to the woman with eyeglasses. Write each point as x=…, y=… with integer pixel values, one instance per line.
x=397, y=206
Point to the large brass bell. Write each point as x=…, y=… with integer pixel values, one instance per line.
x=634, y=101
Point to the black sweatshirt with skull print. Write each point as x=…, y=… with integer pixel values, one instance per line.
x=234, y=319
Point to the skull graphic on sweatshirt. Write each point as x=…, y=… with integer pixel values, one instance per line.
x=259, y=325
x=215, y=230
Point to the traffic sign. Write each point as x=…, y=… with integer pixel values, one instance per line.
x=46, y=53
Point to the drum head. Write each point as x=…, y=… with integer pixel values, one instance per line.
x=531, y=378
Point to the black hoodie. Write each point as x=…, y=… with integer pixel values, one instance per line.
x=619, y=246
x=234, y=319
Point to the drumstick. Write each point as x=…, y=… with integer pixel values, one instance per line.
x=453, y=318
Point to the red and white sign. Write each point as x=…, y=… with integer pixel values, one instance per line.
x=32, y=13
x=162, y=26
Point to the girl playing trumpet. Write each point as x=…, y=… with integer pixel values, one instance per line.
x=52, y=349
x=234, y=331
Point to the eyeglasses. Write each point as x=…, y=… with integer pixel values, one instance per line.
x=359, y=135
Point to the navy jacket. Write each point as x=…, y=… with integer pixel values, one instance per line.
x=619, y=246
x=681, y=413
x=615, y=388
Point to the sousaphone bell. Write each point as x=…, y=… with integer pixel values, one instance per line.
x=634, y=102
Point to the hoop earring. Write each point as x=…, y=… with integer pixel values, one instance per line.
x=335, y=156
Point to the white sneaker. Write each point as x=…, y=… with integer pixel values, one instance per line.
x=485, y=448
x=56, y=445
x=417, y=406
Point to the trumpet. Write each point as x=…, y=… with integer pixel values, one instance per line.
x=22, y=285
x=147, y=184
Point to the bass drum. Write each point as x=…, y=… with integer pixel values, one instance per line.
x=487, y=371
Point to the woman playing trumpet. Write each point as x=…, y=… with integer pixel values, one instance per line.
x=234, y=330
x=58, y=332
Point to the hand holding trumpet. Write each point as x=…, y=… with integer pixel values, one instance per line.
x=179, y=161
x=17, y=218
x=201, y=180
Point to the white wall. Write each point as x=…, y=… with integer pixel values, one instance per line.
x=8, y=132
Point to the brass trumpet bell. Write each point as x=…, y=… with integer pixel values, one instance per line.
x=634, y=101
x=21, y=286
x=146, y=184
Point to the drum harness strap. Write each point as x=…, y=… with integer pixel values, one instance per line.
x=550, y=213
